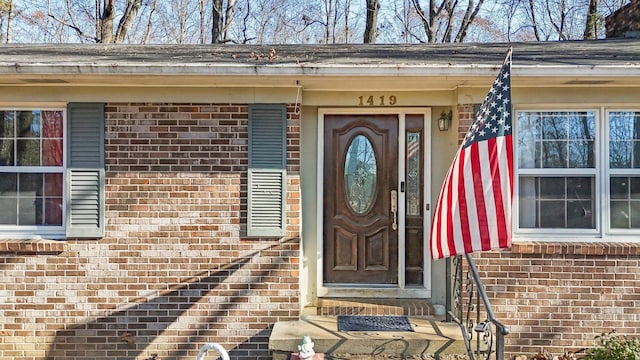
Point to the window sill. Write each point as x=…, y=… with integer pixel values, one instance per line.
x=32, y=246
x=575, y=248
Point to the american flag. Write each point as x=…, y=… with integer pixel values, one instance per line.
x=473, y=212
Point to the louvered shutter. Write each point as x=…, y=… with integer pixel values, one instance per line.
x=267, y=170
x=85, y=170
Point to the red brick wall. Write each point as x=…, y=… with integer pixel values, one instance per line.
x=558, y=296
x=624, y=20
x=174, y=270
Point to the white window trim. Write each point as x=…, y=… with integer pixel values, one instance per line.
x=617, y=233
x=35, y=231
x=602, y=231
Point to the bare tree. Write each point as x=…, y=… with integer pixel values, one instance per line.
x=222, y=19
x=439, y=19
x=347, y=25
x=371, y=27
x=593, y=17
x=470, y=15
x=104, y=20
x=148, y=30
x=6, y=15
x=107, y=16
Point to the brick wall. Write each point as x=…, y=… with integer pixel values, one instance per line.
x=174, y=270
x=558, y=296
x=624, y=21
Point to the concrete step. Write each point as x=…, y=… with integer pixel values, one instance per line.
x=431, y=338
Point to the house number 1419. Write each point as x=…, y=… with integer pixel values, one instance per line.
x=376, y=100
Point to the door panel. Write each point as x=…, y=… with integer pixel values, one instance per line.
x=360, y=169
x=414, y=220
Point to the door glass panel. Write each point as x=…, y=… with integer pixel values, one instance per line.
x=360, y=174
x=413, y=174
x=414, y=201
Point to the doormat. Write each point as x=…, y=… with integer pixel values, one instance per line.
x=373, y=323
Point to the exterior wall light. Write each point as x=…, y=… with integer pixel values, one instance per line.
x=444, y=121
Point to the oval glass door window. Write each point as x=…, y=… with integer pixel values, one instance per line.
x=360, y=174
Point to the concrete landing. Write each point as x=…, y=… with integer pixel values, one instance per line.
x=431, y=338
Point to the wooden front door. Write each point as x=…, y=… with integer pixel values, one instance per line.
x=360, y=199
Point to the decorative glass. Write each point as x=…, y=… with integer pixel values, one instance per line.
x=360, y=174
x=413, y=173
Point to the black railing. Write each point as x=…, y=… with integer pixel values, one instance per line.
x=464, y=308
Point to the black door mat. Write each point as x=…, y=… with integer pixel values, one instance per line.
x=373, y=323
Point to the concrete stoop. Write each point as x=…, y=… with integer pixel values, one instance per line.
x=431, y=339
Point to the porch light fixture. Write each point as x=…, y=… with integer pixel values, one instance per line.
x=444, y=121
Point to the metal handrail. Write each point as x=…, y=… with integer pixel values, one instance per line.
x=469, y=326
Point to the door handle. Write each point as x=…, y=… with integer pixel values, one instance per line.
x=394, y=209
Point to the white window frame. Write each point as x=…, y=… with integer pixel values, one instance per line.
x=601, y=171
x=617, y=172
x=38, y=231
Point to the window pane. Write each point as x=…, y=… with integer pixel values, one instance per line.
x=619, y=154
x=30, y=183
x=619, y=212
x=6, y=152
x=29, y=124
x=625, y=202
x=31, y=139
x=621, y=126
x=28, y=153
x=52, y=152
x=26, y=200
x=528, y=140
x=635, y=156
x=582, y=126
x=580, y=215
x=635, y=214
x=635, y=188
x=28, y=213
x=581, y=154
x=53, y=184
x=551, y=188
x=7, y=124
x=8, y=184
x=556, y=139
x=557, y=202
x=9, y=213
x=580, y=188
x=554, y=154
x=552, y=214
x=619, y=187
x=554, y=126
x=30, y=201
x=624, y=137
x=527, y=202
x=53, y=211
x=52, y=124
